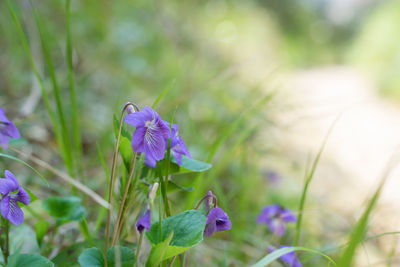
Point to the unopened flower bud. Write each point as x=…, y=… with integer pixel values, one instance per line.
x=130, y=109
x=153, y=192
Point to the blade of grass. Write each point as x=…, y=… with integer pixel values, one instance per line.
x=197, y=184
x=163, y=93
x=59, y=108
x=72, y=90
x=308, y=180
x=79, y=186
x=359, y=231
x=45, y=96
x=26, y=164
x=282, y=251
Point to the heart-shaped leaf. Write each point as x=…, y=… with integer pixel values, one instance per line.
x=28, y=260
x=65, y=208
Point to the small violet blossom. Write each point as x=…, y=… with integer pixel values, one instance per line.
x=217, y=220
x=7, y=130
x=12, y=194
x=178, y=148
x=150, y=134
x=144, y=222
x=276, y=218
x=289, y=259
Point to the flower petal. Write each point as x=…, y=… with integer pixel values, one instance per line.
x=7, y=186
x=277, y=226
x=139, y=118
x=220, y=218
x=5, y=206
x=12, y=131
x=23, y=196
x=144, y=222
x=288, y=216
x=268, y=212
x=154, y=144
x=138, y=139
x=4, y=139
x=10, y=176
x=15, y=214
x=210, y=229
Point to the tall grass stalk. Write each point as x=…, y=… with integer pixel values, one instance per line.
x=358, y=233
x=59, y=107
x=45, y=96
x=72, y=91
x=308, y=178
x=199, y=184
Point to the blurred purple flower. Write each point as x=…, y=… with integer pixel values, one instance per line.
x=7, y=130
x=150, y=134
x=217, y=220
x=144, y=222
x=12, y=194
x=273, y=177
x=289, y=258
x=178, y=148
x=276, y=218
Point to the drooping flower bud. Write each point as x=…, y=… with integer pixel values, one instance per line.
x=217, y=220
x=153, y=192
x=130, y=108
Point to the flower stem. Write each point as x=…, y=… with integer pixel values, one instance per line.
x=118, y=227
x=5, y=242
x=112, y=179
x=138, y=248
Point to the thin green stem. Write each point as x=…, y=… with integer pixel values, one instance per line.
x=7, y=243
x=117, y=227
x=164, y=184
x=138, y=248
x=112, y=179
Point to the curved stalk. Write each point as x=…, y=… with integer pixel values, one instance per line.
x=112, y=179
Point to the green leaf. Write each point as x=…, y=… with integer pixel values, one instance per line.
x=91, y=257
x=65, y=208
x=125, y=149
x=41, y=229
x=191, y=165
x=173, y=187
x=127, y=256
x=124, y=132
x=28, y=260
x=188, y=228
x=158, y=251
x=282, y=251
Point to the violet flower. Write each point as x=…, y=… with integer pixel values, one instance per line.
x=178, y=148
x=290, y=259
x=150, y=134
x=276, y=218
x=7, y=130
x=12, y=194
x=144, y=222
x=217, y=220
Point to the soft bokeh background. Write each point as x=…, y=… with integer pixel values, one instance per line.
x=316, y=59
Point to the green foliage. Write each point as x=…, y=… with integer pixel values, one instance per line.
x=65, y=209
x=188, y=228
x=93, y=257
x=158, y=251
x=28, y=260
x=41, y=229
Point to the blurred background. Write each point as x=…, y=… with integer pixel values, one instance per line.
x=309, y=62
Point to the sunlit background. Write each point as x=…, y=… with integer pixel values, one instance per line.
x=316, y=63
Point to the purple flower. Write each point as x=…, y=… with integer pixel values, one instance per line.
x=178, y=148
x=144, y=222
x=276, y=218
x=150, y=134
x=217, y=220
x=289, y=258
x=12, y=194
x=7, y=130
